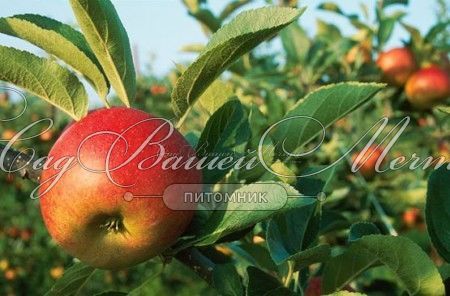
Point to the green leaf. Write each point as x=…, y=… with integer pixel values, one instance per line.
x=297, y=229
x=387, y=3
x=227, y=281
x=216, y=95
x=416, y=37
x=295, y=43
x=437, y=210
x=315, y=113
x=286, y=232
x=358, y=230
x=261, y=283
x=316, y=180
x=238, y=217
x=108, y=39
x=258, y=170
x=332, y=221
x=60, y=40
x=72, y=281
x=412, y=266
x=435, y=30
x=332, y=7
x=207, y=18
x=233, y=40
x=313, y=255
x=445, y=109
x=322, y=55
x=256, y=254
x=386, y=27
x=444, y=270
x=44, y=78
x=226, y=133
x=232, y=7
x=146, y=285
x=329, y=32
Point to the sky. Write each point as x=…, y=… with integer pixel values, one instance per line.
x=159, y=28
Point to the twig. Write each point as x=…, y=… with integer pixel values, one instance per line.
x=198, y=262
x=20, y=163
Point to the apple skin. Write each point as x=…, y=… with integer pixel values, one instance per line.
x=78, y=209
x=427, y=87
x=397, y=65
x=368, y=161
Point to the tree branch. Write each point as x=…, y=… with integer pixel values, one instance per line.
x=198, y=262
x=30, y=168
x=20, y=163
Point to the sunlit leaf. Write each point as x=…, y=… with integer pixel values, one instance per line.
x=101, y=25
x=44, y=78
x=233, y=40
x=60, y=40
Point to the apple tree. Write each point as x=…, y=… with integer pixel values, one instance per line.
x=321, y=230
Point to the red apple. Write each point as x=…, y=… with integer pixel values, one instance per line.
x=116, y=221
x=427, y=87
x=397, y=65
x=158, y=90
x=367, y=161
x=411, y=217
x=444, y=150
x=422, y=122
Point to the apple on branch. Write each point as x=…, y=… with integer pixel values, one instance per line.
x=88, y=210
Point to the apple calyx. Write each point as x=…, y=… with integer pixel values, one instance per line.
x=114, y=225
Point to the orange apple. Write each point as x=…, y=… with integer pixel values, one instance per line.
x=158, y=90
x=57, y=272
x=46, y=136
x=10, y=274
x=8, y=134
x=411, y=217
x=368, y=161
